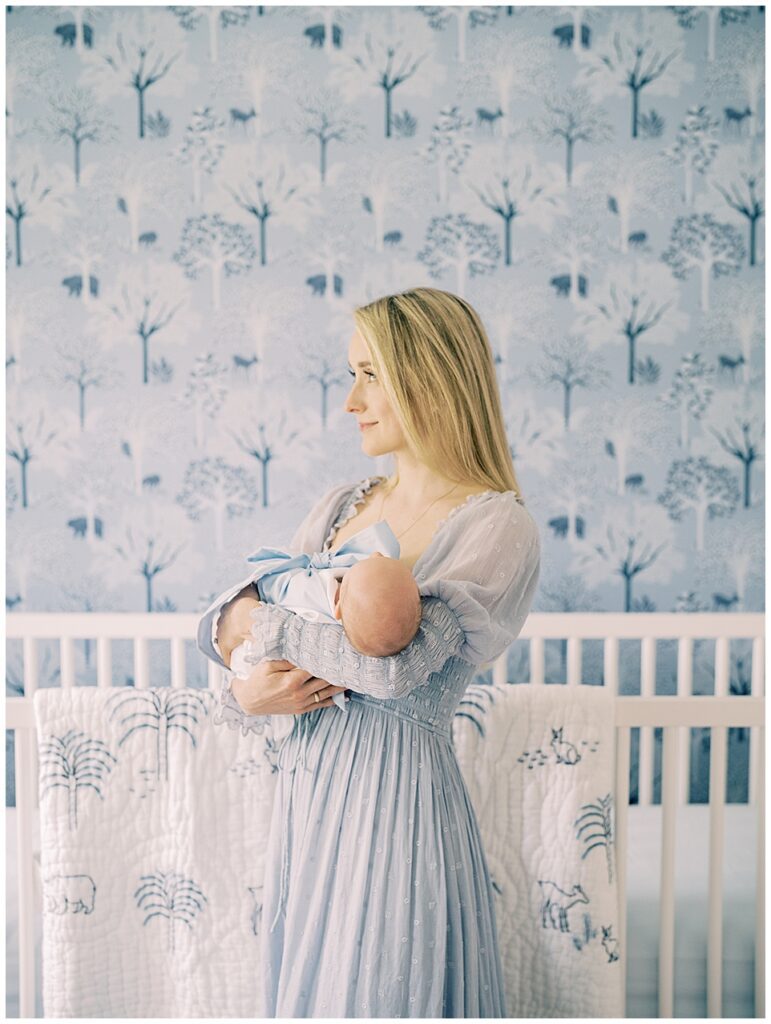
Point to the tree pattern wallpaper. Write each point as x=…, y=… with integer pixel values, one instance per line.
x=197, y=198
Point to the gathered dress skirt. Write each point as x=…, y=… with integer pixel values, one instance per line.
x=377, y=900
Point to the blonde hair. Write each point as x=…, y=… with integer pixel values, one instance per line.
x=435, y=364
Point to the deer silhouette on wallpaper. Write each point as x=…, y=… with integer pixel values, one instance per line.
x=242, y=117
x=488, y=117
x=729, y=364
x=733, y=119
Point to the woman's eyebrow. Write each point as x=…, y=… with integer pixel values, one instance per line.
x=365, y=363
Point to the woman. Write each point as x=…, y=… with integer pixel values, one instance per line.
x=377, y=899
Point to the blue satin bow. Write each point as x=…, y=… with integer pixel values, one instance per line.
x=377, y=537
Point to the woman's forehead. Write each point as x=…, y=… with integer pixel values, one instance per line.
x=358, y=351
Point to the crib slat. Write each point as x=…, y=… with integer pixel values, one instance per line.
x=722, y=666
x=684, y=689
x=141, y=663
x=621, y=809
x=24, y=761
x=610, y=663
x=760, y=878
x=177, y=661
x=717, y=786
x=25, y=776
x=67, y=661
x=536, y=661
x=718, y=771
x=30, y=681
x=647, y=689
x=103, y=661
x=757, y=688
x=669, y=764
x=574, y=661
x=29, y=665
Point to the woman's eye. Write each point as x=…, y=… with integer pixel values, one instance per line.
x=368, y=372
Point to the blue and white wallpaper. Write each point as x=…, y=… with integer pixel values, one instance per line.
x=198, y=196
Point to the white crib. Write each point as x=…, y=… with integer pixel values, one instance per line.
x=718, y=712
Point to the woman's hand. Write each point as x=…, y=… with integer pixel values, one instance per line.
x=280, y=688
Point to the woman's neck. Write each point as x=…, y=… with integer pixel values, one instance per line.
x=417, y=485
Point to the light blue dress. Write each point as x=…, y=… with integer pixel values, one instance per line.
x=377, y=900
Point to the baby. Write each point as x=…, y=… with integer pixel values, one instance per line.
x=362, y=585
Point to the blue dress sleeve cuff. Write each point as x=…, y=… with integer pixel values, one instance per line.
x=231, y=713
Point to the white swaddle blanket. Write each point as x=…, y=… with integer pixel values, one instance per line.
x=154, y=825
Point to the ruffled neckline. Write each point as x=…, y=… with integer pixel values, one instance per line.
x=362, y=489
x=348, y=511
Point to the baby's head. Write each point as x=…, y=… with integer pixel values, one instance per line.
x=378, y=603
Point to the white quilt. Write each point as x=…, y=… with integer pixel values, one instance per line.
x=154, y=823
x=539, y=764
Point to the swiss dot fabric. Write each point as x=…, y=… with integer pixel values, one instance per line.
x=377, y=899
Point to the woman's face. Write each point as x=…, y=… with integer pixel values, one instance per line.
x=368, y=403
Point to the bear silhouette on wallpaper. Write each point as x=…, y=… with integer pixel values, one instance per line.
x=566, y=34
x=318, y=283
x=68, y=33
x=75, y=284
x=317, y=35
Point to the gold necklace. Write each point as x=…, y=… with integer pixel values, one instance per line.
x=382, y=503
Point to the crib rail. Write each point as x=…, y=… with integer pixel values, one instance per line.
x=649, y=710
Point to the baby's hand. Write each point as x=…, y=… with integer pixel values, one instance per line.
x=240, y=663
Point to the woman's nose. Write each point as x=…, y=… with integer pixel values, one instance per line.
x=351, y=401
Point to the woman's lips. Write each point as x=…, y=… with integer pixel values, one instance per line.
x=363, y=426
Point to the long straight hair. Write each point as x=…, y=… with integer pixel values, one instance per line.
x=435, y=364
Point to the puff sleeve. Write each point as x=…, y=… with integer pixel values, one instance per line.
x=491, y=579
x=476, y=587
